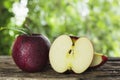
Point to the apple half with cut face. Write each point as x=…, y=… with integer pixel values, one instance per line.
x=98, y=60
x=68, y=53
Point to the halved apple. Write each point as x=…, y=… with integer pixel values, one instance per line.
x=70, y=53
x=98, y=60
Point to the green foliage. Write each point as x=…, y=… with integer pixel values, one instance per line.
x=5, y=15
x=55, y=17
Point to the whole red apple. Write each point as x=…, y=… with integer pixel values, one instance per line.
x=30, y=52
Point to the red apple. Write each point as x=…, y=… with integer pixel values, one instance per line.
x=98, y=60
x=30, y=52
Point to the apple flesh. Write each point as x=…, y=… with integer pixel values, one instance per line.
x=70, y=53
x=98, y=60
x=30, y=52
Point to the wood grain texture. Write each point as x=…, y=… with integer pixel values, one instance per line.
x=109, y=71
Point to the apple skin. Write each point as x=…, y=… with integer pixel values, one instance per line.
x=104, y=60
x=30, y=52
x=74, y=38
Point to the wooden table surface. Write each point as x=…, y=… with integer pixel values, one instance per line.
x=109, y=71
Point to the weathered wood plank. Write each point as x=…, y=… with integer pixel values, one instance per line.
x=109, y=71
x=114, y=58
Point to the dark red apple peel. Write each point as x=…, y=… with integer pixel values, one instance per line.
x=104, y=60
x=30, y=53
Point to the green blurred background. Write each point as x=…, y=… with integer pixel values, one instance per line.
x=99, y=20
